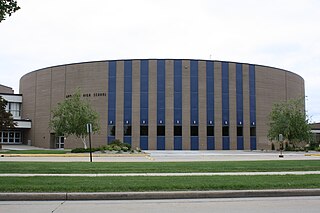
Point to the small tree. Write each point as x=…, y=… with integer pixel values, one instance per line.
x=71, y=116
x=289, y=119
x=7, y=7
x=6, y=119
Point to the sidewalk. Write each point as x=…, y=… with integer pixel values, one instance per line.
x=158, y=195
x=165, y=174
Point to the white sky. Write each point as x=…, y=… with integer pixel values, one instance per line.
x=277, y=33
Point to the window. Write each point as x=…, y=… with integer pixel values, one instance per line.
x=239, y=131
x=161, y=130
x=143, y=130
x=194, y=130
x=127, y=130
x=111, y=130
x=225, y=131
x=210, y=130
x=177, y=130
x=252, y=131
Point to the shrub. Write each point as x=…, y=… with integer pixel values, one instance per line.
x=83, y=150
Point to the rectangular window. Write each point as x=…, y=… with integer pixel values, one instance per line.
x=143, y=130
x=194, y=130
x=177, y=131
x=239, y=131
x=111, y=130
x=225, y=131
x=127, y=130
x=210, y=130
x=252, y=131
x=161, y=130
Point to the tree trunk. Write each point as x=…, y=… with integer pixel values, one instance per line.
x=83, y=139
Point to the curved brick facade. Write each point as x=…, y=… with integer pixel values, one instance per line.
x=164, y=103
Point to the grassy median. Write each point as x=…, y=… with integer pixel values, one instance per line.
x=157, y=167
x=123, y=184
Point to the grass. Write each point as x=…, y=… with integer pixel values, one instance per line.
x=157, y=167
x=123, y=184
x=40, y=151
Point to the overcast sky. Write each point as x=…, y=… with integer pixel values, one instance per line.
x=278, y=33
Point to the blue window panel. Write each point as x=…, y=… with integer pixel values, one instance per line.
x=128, y=84
x=194, y=84
x=210, y=143
x=177, y=83
x=194, y=116
x=177, y=115
x=127, y=117
x=225, y=92
x=112, y=84
x=253, y=143
x=177, y=143
x=194, y=68
x=144, y=68
x=161, y=76
x=161, y=103
x=144, y=142
x=127, y=139
x=194, y=100
x=112, y=100
x=225, y=70
x=210, y=101
x=110, y=139
x=239, y=102
x=112, y=115
x=225, y=101
x=144, y=115
x=178, y=100
x=144, y=83
x=161, y=143
x=226, y=143
x=210, y=117
x=144, y=100
x=239, y=117
x=240, y=145
x=194, y=143
x=127, y=100
x=112, y=69
x=161, y=116
x=128, y=68
x=225, y=116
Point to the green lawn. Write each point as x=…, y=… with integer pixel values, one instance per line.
x=123, y=184
x=157, y=167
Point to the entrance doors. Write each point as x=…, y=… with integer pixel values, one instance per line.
x=60, y=142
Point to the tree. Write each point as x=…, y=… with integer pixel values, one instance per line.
x=6, y=119
x=290, y=119
x=7, y=7
x=71, y=116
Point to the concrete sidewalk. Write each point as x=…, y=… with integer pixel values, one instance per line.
x=158, y=195
x=164, y=174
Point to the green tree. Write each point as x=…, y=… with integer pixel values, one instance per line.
x=6, y=119
x=7, y=7
x=71, y=116
x=289, y=119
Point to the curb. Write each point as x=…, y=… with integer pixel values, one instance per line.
x=158, y=195
x=74, y=155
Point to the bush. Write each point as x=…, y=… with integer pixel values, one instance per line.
x=83, y=150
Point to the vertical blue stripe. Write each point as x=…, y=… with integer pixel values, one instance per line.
x=144, y=142
x=252, y=91
x=194, y=143
x=161, y=82
x=127, y=92
x=177, y=143
x=225, y=93
x=226, y=143
x=112, y=79
x=144, y=92
x=210, y=143
x=210, y=92
x=239, y=94
x=240, y=145
x=177, y=96
x=194, y=92
x=127, y=139
x=161, y=145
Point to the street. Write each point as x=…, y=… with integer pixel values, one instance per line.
x=247, y=205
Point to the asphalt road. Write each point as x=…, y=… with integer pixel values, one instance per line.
x=237, y=205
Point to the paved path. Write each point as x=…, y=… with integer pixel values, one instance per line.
x=166, y=174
